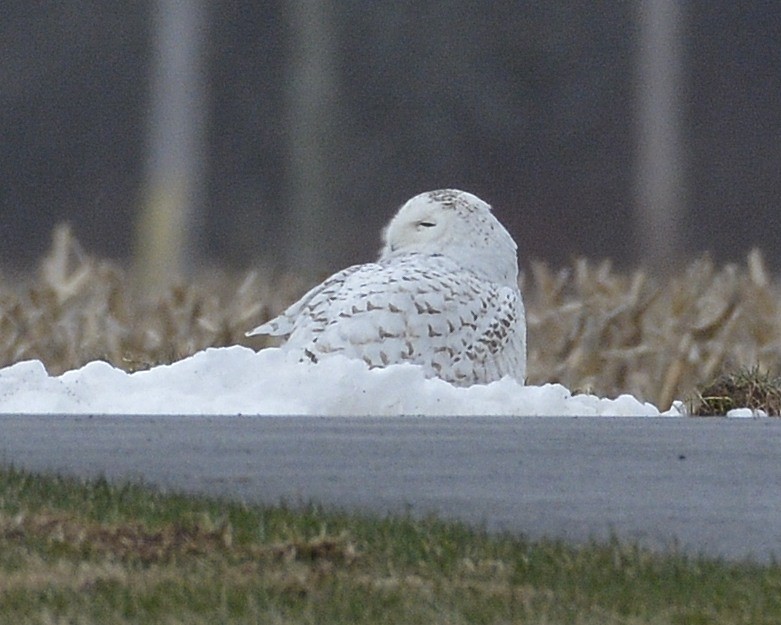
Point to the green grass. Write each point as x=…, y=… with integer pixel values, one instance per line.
x=75, y=552
x=749, y=387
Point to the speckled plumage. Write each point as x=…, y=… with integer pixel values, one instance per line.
x=443, y=294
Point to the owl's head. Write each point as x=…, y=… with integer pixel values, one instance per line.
x=458, y=225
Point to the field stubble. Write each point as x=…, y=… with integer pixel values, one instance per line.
x=592, y=328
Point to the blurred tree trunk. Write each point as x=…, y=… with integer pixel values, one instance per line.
x=312, y=225
x=660, y=186
x=171, y=217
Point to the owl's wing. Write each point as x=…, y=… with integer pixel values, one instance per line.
x=466, y=330
x=423, y=310
x=495, y=337
x=299, y=314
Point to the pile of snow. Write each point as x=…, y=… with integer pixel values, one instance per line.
x=238, y=380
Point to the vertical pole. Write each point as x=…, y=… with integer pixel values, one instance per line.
x=171, y=215
x=312, y=110
x=660, y=192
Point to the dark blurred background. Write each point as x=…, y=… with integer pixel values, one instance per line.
x=310, y=122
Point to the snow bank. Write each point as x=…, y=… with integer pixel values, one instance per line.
x=238, y=380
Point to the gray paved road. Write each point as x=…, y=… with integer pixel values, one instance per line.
x=709, y=485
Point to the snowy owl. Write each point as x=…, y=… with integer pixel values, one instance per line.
x=443, y=294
